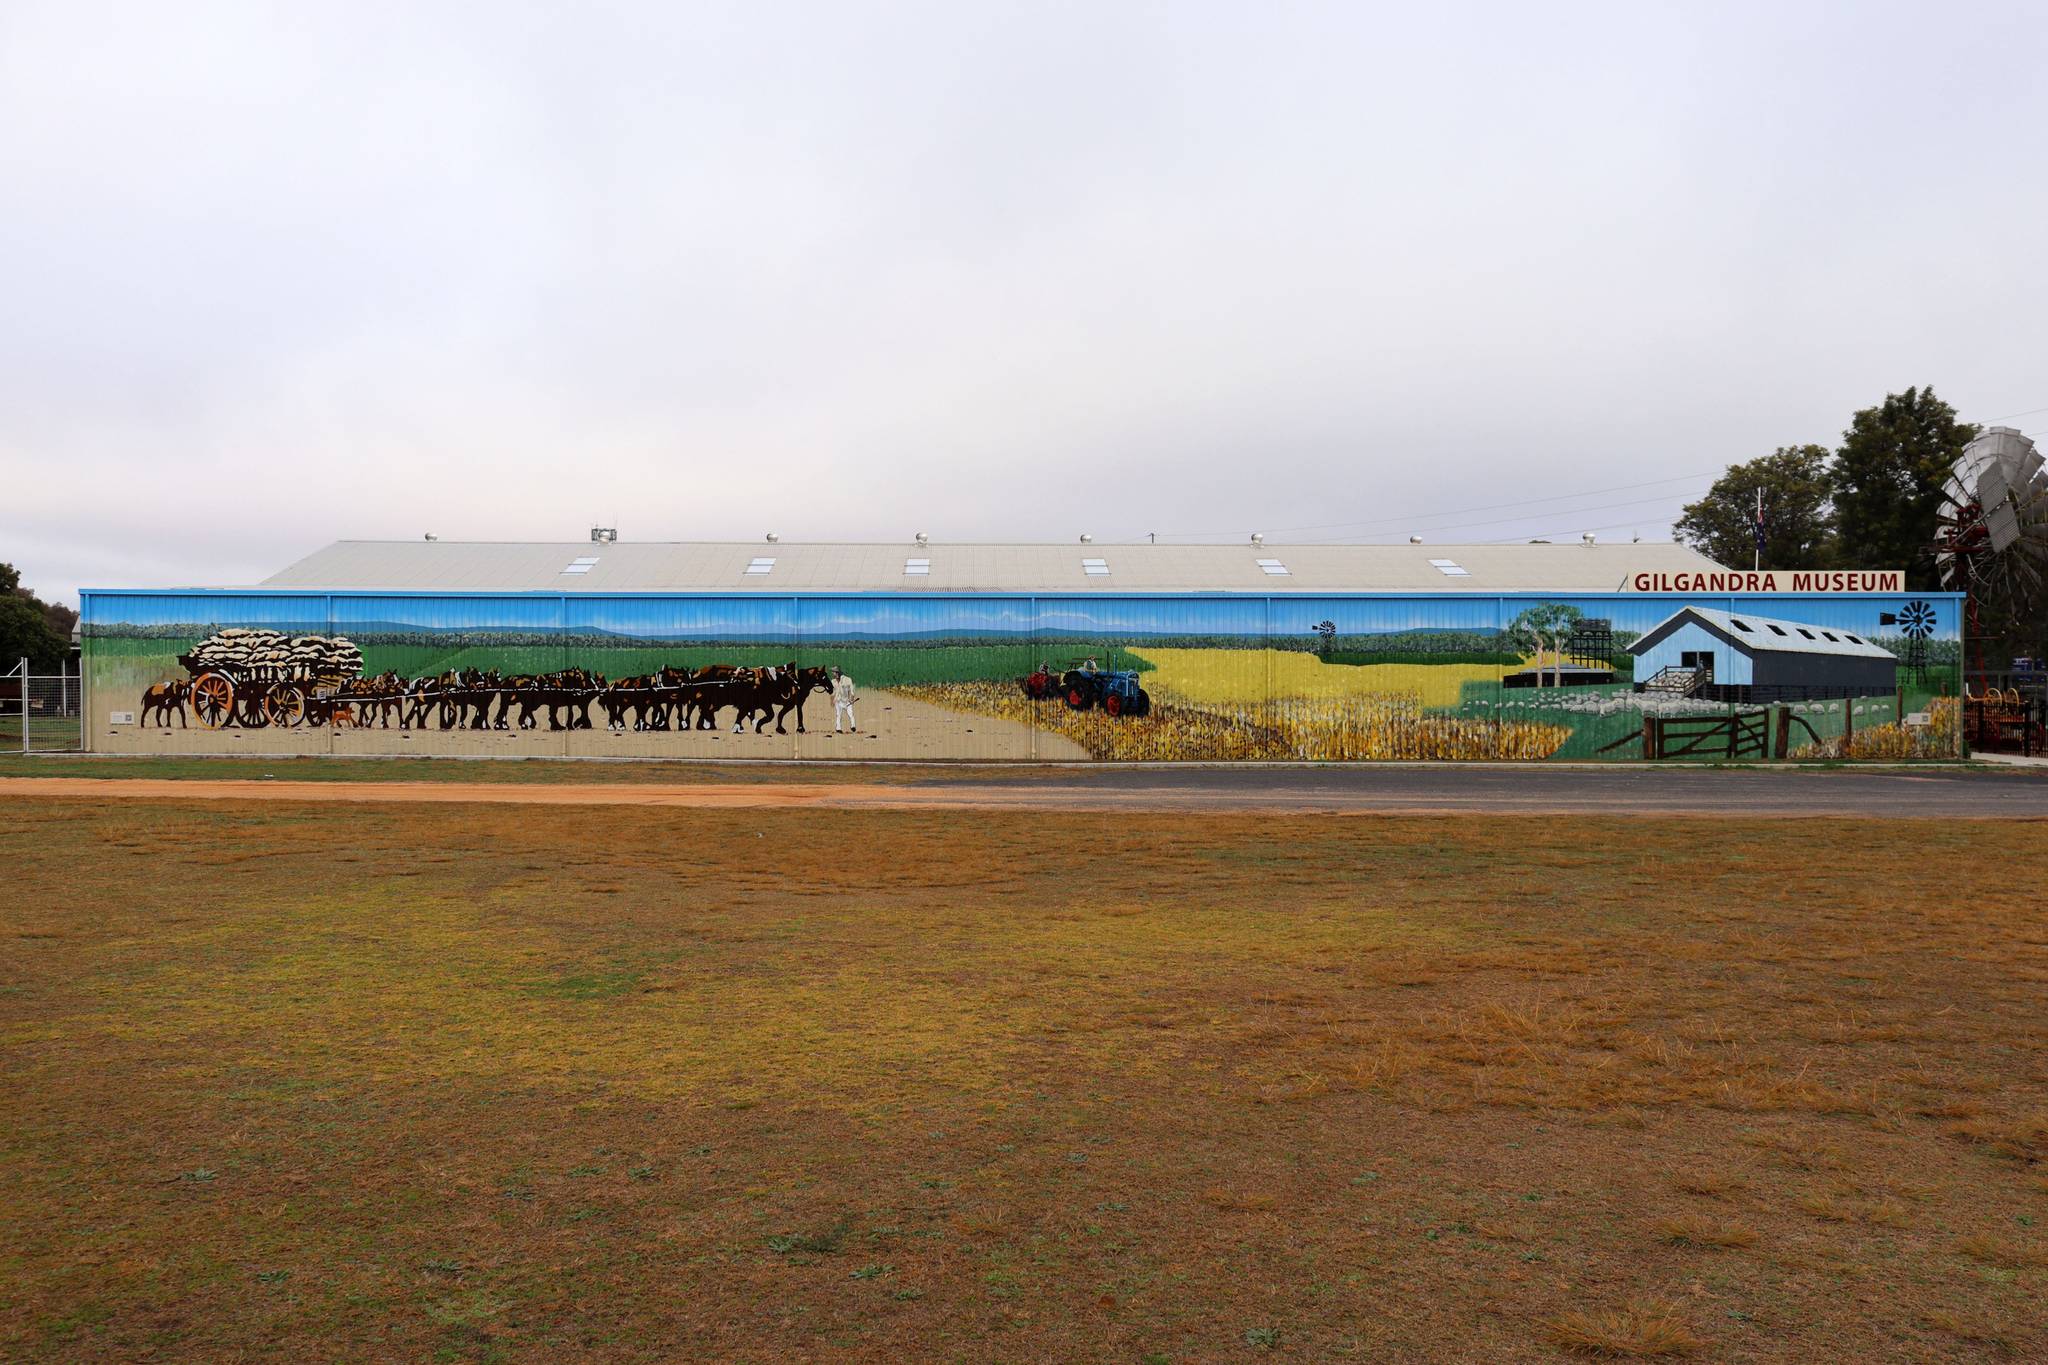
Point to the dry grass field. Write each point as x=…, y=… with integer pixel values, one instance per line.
x=517, y=1083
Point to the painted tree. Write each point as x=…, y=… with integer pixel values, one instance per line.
x=1542, y=629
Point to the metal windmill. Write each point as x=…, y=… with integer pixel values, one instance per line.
x=1992, y=537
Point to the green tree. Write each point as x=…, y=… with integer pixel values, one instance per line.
x=47, y=641
x=25, y=633
x=1542, y=629
x=1799, y=529
x=1887, y=480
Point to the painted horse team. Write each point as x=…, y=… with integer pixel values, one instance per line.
x=487, y=699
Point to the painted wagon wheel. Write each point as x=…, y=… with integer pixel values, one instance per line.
x=213, y=700
x=284, y=706
x=249, y=703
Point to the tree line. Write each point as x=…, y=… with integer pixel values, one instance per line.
x=1870, y=502
x=31, y=628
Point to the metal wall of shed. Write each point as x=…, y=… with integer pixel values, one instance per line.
x=1234, y=676
x=1733, y=663
x=910, y=660
x=429, y=635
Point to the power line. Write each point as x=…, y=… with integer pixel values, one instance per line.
x=1563, y=511
x=1408, y=520
x=1545, y=535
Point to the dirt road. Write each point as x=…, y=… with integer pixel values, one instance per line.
x=1559, y=791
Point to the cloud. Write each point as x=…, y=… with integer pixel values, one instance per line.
x=277, y=276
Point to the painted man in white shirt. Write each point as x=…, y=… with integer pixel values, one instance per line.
x=843, y=698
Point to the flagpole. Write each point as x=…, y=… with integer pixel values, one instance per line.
x=1757, y=562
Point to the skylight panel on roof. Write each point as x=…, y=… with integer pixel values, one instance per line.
x=1741, y=625
x=917, y=568
x=1271, y=566
x=1095, y=568
x=581, y=564
x=761, y=566
x=1774, y=628
x=1450, y=568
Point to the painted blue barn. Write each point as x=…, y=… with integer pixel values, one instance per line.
x=1739, y=657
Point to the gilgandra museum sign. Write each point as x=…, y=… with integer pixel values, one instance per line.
x=1771, y=580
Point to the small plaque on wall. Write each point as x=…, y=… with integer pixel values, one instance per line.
x=120, y=717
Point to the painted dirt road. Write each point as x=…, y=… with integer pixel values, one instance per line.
x=1943, y=794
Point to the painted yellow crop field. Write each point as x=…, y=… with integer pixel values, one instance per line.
x=1319, y=730
x=1222, y=676
x=1210, y=705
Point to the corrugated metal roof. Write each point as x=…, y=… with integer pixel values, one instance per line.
x=1764, y=634
x=580, y=566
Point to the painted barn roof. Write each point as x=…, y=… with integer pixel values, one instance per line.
x=622, y=566
x=1763, y=634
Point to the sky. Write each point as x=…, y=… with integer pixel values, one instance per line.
x=275, y=275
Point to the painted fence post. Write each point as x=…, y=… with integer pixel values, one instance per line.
x=1784, y=731
x=1653, y=746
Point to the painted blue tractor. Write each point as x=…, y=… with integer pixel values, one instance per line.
x=1085, y=686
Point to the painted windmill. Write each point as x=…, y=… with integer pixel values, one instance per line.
x=1915, y=621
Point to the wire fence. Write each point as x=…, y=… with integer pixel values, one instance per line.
x=40, y=712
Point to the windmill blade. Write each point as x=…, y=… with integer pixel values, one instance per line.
x=2002, y=520
x=2030, y=466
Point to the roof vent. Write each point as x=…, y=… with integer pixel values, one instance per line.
x=1258, y=539
x=1586, y=536
x=923, y=539
x=1087, y=539
x=772, y=537
x=603, y=535
x=760, y=566
x=1415, y=540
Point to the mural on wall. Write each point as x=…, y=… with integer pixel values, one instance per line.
x=1205, y=678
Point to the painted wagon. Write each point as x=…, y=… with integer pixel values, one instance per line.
x=253, y=677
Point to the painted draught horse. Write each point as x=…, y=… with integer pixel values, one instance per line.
x=163, y=698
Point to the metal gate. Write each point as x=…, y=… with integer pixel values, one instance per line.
x=41, y=712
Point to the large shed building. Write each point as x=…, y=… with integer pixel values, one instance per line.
x=1742, y=657
x=919, y=650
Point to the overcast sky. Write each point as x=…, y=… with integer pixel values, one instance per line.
x=273, y=275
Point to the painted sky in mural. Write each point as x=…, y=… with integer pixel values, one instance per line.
x=898, y=616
